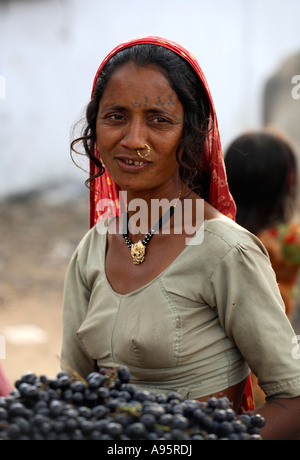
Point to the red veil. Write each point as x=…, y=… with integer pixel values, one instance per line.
x=104, y=186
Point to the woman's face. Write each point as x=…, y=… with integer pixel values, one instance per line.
x=140, y=107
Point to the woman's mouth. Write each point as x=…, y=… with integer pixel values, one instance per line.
x=130, y=165
x=131, y=162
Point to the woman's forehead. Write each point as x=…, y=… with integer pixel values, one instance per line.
x=134, y=71
x=131, y=79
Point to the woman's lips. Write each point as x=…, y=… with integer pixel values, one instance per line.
x=130, y=165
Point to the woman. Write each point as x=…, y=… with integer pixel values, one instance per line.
x=174, y=312
x=262, y=174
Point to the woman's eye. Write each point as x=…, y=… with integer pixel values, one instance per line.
x=115, y=116
x=160, y=120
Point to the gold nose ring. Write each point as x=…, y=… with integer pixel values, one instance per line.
x=146, y=154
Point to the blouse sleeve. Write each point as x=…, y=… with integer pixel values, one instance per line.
x=75, y=305
x=252, y=313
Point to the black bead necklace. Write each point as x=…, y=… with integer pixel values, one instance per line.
x=138, y=250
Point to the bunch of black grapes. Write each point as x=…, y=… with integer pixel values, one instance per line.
x=106, y=406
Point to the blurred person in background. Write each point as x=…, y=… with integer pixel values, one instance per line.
x=263, y=179
x=262, y=175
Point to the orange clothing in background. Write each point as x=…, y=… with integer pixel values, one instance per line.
x=283, y=245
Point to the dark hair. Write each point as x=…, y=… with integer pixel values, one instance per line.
x=192, y=95
x=262, y=177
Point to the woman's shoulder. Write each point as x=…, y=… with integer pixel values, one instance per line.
x=95, y=236
x=228, y=231
x=225, y=229
x=222, y=235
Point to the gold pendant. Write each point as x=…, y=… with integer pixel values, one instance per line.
x=138, y=252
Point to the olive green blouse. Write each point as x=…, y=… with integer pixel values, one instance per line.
x=197, y=328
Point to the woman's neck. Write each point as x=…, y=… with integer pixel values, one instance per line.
x=146, y=208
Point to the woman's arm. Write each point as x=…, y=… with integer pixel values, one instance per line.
x=251, y=311
x=282, y=418
x=282, y=415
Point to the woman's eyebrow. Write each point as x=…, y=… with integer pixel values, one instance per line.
x=112, y=107
x=155, y=109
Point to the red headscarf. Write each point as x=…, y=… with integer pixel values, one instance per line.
x=220, y=197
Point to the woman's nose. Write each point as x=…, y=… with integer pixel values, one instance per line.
x=134, y=135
